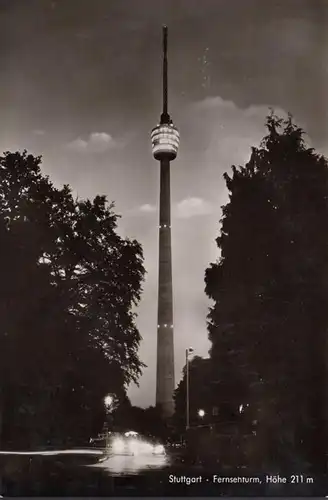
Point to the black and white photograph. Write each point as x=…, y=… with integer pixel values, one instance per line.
x=163, y=248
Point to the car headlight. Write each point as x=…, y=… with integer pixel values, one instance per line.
x=118, y=445
x=159, y=449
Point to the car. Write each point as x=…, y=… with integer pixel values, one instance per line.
x=131, y=443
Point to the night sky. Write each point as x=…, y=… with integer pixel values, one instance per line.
x=81, y=85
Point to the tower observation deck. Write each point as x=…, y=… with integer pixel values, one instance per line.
x=165, y=143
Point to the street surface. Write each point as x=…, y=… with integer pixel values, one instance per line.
x=90, y=472
x=125, y=464
x=49, y=453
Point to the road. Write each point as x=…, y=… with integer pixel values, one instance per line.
x=70, y=473
x=49, y=453
x=132, y=465
x=78, y=472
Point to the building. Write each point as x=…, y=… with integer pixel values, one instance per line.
x=165, y=144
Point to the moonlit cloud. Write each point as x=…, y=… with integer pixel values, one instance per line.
x=147, y=208
x=221, y=133
x=38, y=132
x=191, y=207
x=97, y=142
x=141, y=211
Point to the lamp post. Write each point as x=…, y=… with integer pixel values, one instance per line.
x=188, y=352
x=109, y=403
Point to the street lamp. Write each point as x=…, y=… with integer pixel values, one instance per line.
x=201, y=413
x=188, y=352
x=108, y=401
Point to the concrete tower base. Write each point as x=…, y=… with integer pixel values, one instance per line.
x=165, y=338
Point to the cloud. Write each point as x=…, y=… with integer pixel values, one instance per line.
x=230, y=108
x=147, y=208
x=191, y=207
x=38, y=132
x=141, y=210
x=97, y=142
x=227, y=131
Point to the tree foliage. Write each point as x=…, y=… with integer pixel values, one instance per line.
x=69, y=284
x=268, y=323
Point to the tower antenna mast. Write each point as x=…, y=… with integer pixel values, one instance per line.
x=165, y=117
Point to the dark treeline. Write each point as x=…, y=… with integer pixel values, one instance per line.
x=67, y=289
x=266, y=375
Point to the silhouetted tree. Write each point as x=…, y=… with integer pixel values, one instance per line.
x=68, y=285
x=268, y=325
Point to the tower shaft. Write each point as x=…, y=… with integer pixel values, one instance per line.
x=165, y=140
x=165, y=382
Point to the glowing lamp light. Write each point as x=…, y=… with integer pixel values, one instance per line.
x=201, y=413
x=165, y=140
x=108, y=401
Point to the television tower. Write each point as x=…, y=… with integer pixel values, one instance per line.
x=165, y=144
